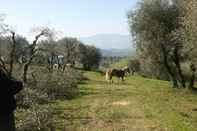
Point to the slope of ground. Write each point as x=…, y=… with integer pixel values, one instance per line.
x=137, y=104
x=122, y=63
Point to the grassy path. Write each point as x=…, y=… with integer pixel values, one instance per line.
x=138, y=104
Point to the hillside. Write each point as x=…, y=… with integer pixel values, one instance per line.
x=137, y=104
x=117, y=52
x=122, y=63
x=108, y=41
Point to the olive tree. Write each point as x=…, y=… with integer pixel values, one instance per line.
x=189, y=35
x=92, y=58
x=33, y=49
x=153, y=25
x=68, y=48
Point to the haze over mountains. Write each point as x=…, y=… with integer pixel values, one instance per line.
x=111, y=44
x=118, y=52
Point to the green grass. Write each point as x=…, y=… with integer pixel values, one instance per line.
x=137, y=104
x=122, y=63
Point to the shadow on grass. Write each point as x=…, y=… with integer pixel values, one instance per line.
x=87, y=93
x=93, y=70
x=108, y=91
x=98, y=82
x=194, y=90
x=83, y=82
x=106, y=83
x=98, y=71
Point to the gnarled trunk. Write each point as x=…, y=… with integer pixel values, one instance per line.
x=192, y=80
x=178, y=66
x=26, y=67
x=167, y=66
x=12, y=54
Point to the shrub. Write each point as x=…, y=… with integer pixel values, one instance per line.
x=28, y=97
x=36, y=118
x=60, y=85
x=33, y=114
x=45, y=86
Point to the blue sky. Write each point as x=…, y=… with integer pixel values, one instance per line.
x=76, y=18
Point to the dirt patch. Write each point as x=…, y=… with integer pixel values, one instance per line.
x=121, y=103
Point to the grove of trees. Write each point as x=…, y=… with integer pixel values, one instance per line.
x=32, y=63
x=16, y=49
x=164, y=32
x=73, y=52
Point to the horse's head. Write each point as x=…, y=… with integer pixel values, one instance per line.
x=126, y=70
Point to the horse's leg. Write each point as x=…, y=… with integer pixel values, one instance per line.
x=122, y=78
x=133, y=72
x=111, y=79
x=108, y=78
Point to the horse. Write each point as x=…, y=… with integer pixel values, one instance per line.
x=120, y=73
x=126, y=70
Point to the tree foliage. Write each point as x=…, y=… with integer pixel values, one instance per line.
x=188, y=35
x=155, y=26
x=92, y=58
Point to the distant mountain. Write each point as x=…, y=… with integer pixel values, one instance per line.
x=108, y=41
x=118, y=52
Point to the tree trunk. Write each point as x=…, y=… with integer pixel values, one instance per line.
x=26, y=67
x=192, y=80
x=32, y=53
x=178, y=66
x=86, y=67
x=166, y=64
x=12, y=53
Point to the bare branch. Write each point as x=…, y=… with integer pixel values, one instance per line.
x=44, y=32
x=12, y=53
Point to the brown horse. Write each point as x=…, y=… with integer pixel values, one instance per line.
x=120, y=73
